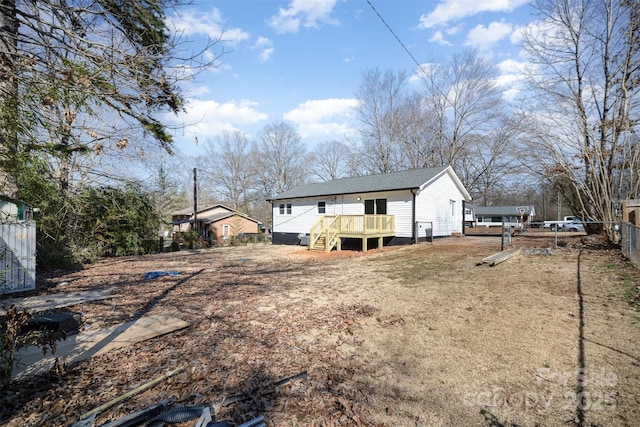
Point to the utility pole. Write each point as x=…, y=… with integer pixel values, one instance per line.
x=195, y=201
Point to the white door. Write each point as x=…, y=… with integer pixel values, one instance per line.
x=452, y=221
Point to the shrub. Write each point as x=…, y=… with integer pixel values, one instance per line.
x=12, y=339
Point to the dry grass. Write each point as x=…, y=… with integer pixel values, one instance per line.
x=406, y=336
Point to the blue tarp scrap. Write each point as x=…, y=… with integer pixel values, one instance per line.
x=156, y=274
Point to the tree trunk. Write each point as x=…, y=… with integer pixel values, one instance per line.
x=8, y=98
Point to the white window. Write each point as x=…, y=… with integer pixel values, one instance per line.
x=226, y=231
x=282, y=208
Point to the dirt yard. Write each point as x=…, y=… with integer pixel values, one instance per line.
x=404, y=336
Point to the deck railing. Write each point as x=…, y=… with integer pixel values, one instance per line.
x=332, y=227
x=367, y=224
x=320, y=228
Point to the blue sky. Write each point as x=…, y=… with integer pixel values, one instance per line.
x=302, y=61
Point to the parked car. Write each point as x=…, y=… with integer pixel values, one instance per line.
x=559, y=225
x=575, y=226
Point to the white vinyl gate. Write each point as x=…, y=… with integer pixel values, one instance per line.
x=17, y=256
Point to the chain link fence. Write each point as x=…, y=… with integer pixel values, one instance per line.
x=630, y=242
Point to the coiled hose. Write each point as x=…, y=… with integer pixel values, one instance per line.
x=177, y=415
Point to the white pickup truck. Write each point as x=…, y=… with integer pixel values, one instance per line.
x=558, y=225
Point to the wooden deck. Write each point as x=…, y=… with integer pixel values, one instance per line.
x=328, y=231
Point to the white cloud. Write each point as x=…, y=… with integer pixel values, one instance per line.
x=483, y=38
x=308, y=13
x=454, y=10
x=517, y=34
x=510, y=95
x=509, y=66
x=207, y=118
x=324, y=118
x=455, y=29
x=439, y=38
x=511, y=77
x=546, y=32
x=348, y=55
x=265, y=49
x=422, y=72
x=266, y=54
x=261, y=42
x=196, y=22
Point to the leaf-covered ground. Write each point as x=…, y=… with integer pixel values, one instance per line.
x=405, y=336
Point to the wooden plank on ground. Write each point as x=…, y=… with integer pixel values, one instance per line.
x=86, y=344
x=145, y=328
x=49, y=302
x=499, y=257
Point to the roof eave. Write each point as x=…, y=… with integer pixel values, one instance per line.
x=340, y=194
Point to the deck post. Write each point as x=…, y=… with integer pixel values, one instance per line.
x=364, y=244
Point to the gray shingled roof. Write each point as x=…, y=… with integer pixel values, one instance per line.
x=364, y=184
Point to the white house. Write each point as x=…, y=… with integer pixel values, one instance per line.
x=404, y=206
x=496, y=216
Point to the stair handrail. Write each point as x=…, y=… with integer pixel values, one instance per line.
x=332, y=231
x=313, y=234
x=317, y=230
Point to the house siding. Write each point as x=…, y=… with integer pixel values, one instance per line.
x=237, y=224
x=439, y=204
x=211, y=220
x=304, y=212
x=434, y=205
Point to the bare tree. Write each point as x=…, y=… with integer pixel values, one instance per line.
x=420, y=145
x=329, y=160
x=229, y=165
x=164, y=177
x=489, y=164
x=280, y=159
x=381, y=97
x=464, y=101
x=586, y=74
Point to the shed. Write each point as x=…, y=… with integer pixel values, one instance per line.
x=17, y=246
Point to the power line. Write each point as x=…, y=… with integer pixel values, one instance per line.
x=396, y=37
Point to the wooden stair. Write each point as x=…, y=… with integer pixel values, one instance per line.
x=326, y=233
x=320, y=243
